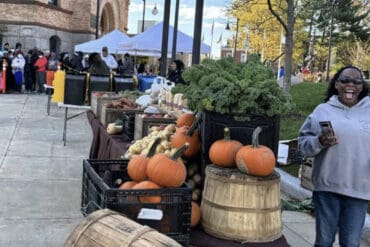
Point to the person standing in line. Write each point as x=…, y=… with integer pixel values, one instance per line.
x=341, y=168
x=18, y=64
x=40, y=66
x=34, y=58
x=27, y=72
x=109, y=60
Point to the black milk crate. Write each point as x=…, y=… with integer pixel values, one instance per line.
x=97, y=193
x=213, y=124
x=122, y=83
x=129, y=123
x=74, y=89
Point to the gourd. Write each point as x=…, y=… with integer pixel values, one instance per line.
x=167, y=171
x=185, y=119
x=137, y=165
x=186, y=134
x=148, y=185
x=255, y=159
x=195, y=214
x=223, y=152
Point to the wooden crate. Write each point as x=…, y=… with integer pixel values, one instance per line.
x=306, y=172
x=143, y=124
x=97, y=102
x=110, y=115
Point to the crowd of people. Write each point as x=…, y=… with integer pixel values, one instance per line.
x=27, y=72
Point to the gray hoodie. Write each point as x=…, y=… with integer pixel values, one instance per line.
x=345, y=167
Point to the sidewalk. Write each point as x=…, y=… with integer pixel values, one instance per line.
x=40, y=178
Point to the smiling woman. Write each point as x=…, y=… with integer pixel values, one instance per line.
x=340, y=169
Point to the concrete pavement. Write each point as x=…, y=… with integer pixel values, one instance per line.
x=40, y=179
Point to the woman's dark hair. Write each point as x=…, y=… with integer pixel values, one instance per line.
x=179, y=64
x=333, y=91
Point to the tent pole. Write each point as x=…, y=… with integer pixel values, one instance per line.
x=175, y=27
x=166, y=23
x=197, y=31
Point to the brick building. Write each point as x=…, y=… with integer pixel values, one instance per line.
x=58, y=25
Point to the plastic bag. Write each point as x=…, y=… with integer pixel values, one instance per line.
x=144, y=100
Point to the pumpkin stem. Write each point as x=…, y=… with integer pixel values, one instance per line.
x=255, y=134
x=226, y=134
x=152, y=148
x=194, y=124
x=180, y=151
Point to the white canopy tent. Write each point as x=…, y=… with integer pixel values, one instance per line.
x=111, y=40
x=150, y=42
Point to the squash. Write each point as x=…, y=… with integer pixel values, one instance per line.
x=127, y=185
x=136, y=167
x=255, y=159
x=223, y=152
x=148, y=185
x=195, y=214
x=189, y=135
x=167, y=171
x=185, y=119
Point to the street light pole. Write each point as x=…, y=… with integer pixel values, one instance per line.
x=330, y=37
x=97, y=19
x=142, y=24
x=236, y=37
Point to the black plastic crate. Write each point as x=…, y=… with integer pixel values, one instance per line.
x=122, y=83
x=213, y=124
x=74, y=89
x=129, y=123
x=97, y=193
x=99, y=83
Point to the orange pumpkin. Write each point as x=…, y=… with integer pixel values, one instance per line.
x=255, y=159
x=148, y=185
x=195, y=214
x=223, y=152
x=167, y=171
x=136, y=167
x=185, y=119
x=186, y=134
x=127, y=185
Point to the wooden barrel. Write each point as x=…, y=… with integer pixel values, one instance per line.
x=240, y=207
x=107, y=228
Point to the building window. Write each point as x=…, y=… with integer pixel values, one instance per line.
x=53, y=2
x=229, y=54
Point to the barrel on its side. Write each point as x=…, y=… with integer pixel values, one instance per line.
x=241, y=207
x=107, y=228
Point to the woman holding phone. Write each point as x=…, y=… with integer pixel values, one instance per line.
x=337, y=135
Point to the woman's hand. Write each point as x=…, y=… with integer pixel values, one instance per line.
x=327, y=138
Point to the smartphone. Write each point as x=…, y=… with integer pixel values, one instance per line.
x=326, y=125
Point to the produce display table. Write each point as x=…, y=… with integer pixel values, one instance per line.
x=49, y=90
x=66, y=118
x=105, y=146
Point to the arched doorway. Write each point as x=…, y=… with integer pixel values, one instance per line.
x=107, y=19
x=54, y=44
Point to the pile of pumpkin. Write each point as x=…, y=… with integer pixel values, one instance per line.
x=254, y=159
x=151, y=167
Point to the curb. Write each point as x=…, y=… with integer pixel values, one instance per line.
x=291, y=186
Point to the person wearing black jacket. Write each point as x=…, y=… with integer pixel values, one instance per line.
x=175, y=74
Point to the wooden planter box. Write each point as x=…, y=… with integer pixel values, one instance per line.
x=110, y=115
x=97, y=102
x=306, y=172
x=143, y=124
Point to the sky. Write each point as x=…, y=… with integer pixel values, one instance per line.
x=214, y=10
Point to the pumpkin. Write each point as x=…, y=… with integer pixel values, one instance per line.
x=223, y=152
x=167, y=171
x=136, y=167
x=255, y=159
x=148, y=185
x=186, y=134
x=127, y=185
x=185, y=119
x=195, y=214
